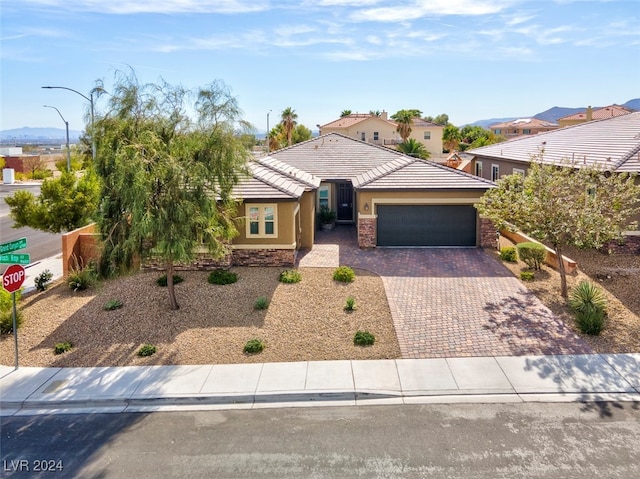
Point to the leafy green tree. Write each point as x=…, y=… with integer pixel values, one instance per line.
x=451, y=138
x=64, y=203
x=301, y=133
x=414, y=148
x=289, y=120
x=344, y=113
x=561, y=205
x=476, y=136
x=442, y=119
x=167, y=179
x=404, y=119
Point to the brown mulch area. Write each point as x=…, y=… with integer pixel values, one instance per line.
x=618, y=275
x=304, y=321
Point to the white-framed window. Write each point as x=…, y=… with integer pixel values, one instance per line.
x=495, y=172
x=526, y=131
x=479, y=169
x=497, y=131
x=375, y=136
x=323, y=197
x=262, y=220
x=518, y=171
x=427, y=135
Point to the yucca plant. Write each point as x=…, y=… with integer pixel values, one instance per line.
x=586, y=295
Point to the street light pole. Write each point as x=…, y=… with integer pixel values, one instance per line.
x=90, y=100
x=268, y=131
x=66, y=123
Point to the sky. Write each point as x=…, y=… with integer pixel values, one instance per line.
x=470, y=59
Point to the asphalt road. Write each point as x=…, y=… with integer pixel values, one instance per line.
x=40, y=245
x=548, y=441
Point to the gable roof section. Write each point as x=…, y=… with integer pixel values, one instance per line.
x=415, y=174
x=530, y=123
x=348, y=121
x=265, y=182
x=294, y=173
x=613, y=143
x=335, y=157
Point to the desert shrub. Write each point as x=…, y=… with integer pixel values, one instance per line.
x=350, y=304
x=60, y=348
x=254, y=346
x=533, y=254
x=147, y=350
x=6, y=303
x=162, y=280
x=112, y=304
x=290, y=276
x=222, y=276
x=527, y=275
x=261, y=303
x=43, y=280
x=591, y=320
x=586, y=295
x=344, y=274
x=6, y=320
x=509, y=254
x=82, y=278
x=363, y=338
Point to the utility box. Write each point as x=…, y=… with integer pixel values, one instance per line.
x=8, y=176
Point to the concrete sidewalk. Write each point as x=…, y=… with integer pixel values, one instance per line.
x=583, y=378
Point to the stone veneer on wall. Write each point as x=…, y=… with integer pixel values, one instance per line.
x=238, y=257
x=629, y=245
x=488, y=236
x=367, y=232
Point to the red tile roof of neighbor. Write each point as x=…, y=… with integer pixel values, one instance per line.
x=600, y=113
x=531, y=123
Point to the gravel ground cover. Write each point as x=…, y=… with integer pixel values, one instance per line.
x=304, y=321
x=619, y=277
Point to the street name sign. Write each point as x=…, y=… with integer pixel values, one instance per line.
x=13, y=245
x=20, y=258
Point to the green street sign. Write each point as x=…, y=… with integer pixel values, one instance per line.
x=15, y=258
x=13, y=246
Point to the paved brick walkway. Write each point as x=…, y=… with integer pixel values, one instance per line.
x=452, y=302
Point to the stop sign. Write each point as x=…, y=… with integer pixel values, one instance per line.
x=13, y=278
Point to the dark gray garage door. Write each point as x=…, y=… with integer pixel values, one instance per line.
x=426, y=225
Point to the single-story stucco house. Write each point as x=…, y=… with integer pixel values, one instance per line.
x=392, y=199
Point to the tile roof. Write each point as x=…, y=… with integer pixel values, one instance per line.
x=301, y=176
x=266, y=182
x=335, y=157
x=349, y=120
x=415, y=174
x=524, y=123
x=600, y=113
x=613, y=143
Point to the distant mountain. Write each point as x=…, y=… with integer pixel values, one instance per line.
x=552, y=114
x=28, y=133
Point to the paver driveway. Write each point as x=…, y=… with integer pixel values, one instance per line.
x=452, y=302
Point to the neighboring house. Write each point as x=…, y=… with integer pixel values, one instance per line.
x=613, y=144
x=379, y=130
x=590, y=114
x=522, y=127
x=393, y=199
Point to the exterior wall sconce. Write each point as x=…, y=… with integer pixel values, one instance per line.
x=366, y=206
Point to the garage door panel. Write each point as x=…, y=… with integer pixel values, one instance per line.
x=426, y=225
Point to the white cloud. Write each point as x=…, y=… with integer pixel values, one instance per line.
x=422, y=8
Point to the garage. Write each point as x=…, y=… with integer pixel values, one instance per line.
x=426, y=225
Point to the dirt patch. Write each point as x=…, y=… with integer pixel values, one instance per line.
x=304, y=321
x=618, y=275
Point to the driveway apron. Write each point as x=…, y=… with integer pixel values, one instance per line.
x=452, y=302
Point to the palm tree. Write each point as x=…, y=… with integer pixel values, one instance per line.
x=414, y=148
x=404, y=119
x=289, y=117
x=451, y=138
x=345, y=113
x=375, y=113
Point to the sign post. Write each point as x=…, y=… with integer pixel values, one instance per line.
x=12, y=281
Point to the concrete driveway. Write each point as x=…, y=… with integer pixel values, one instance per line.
x=452, y=302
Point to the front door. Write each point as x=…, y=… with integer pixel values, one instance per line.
x=345, y=202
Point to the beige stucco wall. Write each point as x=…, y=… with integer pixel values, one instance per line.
x=285, y=226
x=505, y=167
x=368, y=126
x=307, y=219
x=433, y=145
x=373, y=198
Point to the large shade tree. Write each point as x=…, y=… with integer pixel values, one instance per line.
x=167, y=178
x=561, y=205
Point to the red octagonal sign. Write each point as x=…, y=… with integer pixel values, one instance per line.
x=13, y=278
